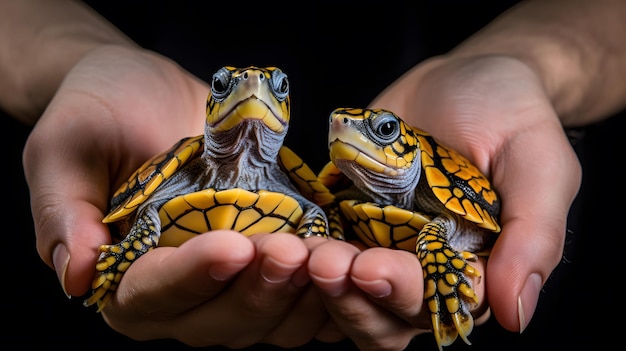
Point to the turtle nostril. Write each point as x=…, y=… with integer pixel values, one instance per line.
x=345, y=120
x=245, y=75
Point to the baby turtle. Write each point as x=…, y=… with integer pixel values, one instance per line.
x=410, y=192
x=238, y=175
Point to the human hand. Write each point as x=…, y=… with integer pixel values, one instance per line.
x=493, y=110
x=116, y=108
x=496, y=112
x=375, y=296
x=222, y=288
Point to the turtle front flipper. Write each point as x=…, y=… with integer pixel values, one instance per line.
x=116, y=258
x=448, y=276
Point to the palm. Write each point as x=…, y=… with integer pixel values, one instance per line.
x=112, y=112
x=490, y=109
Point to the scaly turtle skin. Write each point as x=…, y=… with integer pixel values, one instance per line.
x=410, y=192
x=238, y=175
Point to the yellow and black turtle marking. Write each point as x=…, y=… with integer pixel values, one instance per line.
x=312, y=188
x=304, y=178
x=272, y=106
x=383, y=226
x=241, y=210
x=150, y=175
x=398, y=187
x=458, y=184
x=448, y=290
x=228, y=178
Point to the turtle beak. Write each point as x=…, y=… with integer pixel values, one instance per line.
x=340, y=126
x=252, y=99
x=334, y=126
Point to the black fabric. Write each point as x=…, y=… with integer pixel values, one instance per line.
x=328, y=69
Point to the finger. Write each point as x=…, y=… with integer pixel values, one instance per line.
x=72, y=233
x=394, y=280
x=68, y=188
x=330, y=333
x=308, y=315
x=182, y=277
x=538, y=183
x=262, y=294
x=366, y=323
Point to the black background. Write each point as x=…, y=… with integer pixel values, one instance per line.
x=579, y=301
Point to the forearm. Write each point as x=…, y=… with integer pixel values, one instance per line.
x=577, y=48
x=41, y=41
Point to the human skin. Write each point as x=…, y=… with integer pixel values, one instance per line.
x=520, y=79
x=502, y=97
x=98, y=123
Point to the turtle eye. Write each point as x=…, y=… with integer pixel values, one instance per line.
x=280, y=84
x=220, y=83
x=385, y=128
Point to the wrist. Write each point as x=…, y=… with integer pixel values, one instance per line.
x=558, y=68
x=574, y=47
x=43, y=41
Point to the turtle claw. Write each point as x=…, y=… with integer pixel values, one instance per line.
x=110, y=269
x=115, y=259
x=464, y=325
x=446, y=333
x=454, y=319
x=448, y=289
x=100, y=297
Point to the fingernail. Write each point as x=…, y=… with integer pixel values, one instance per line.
x=377, y=288
x=61, y=260
x=276, y=272
x=332, y=287
x=527, y=300
x=222, y=272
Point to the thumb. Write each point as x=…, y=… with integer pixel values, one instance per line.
x=537, y=191
x=68, y=185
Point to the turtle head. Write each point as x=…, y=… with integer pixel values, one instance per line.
x=252, y=93
x=376, y=149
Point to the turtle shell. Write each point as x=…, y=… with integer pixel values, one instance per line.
x=147, y=178
x=238, y=209
x=458, y=184
x=190, y=214
x=455, y=182
x=237, y=175
x=396, y=186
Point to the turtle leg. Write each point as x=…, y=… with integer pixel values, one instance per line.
x=313, y=223
x=335, y=223
x=448, y=290
x=115, y=259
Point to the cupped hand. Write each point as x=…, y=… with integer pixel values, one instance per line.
x=116, y=108
x=222, y=288
x=375, y=296
x=495, y=111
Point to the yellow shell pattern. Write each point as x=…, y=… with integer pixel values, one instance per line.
x=373, y=147
x=149, y=215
